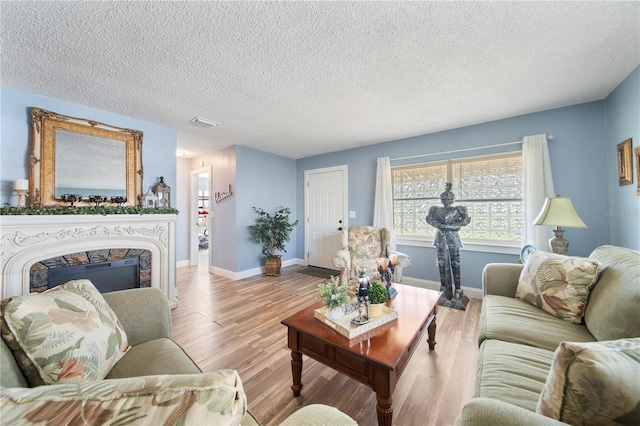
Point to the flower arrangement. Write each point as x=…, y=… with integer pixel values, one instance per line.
x=377, y=293
x=333, y=294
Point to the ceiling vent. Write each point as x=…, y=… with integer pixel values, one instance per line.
x=204, y=122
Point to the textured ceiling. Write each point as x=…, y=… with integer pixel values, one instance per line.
x=305, y=78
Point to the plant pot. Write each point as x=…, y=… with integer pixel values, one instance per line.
x=335, y=314
x=375, y=311
x=272, y=266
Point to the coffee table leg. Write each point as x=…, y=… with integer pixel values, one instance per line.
x=384, y=410
x=296, y=370
x=431, y=331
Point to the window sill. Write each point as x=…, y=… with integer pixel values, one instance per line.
x=466, y=246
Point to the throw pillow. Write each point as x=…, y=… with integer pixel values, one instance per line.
x=558, y=284
x=594, y=383
x=67, y=334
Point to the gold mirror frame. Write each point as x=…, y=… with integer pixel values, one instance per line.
x=43, y=153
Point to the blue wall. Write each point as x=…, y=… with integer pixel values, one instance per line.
x=577, y=146
x=257, y=179
x=183, y=169
x=622, y=121
x=583, y=157
x=158, y=148
x=266, y=181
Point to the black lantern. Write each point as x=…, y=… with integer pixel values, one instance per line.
x=162, y=192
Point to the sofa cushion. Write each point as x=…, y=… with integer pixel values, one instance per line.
x=512, y=373
x=168, y=358
x=10, y=374
x=594, y=383
x=318, y=415
x=612, y=307
x=67, y=334
x=558, y=284
x=512, y=320
x=199, y=399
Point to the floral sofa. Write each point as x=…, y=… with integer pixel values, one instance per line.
x=361, y=246
x=559, y=342
x=74, y=356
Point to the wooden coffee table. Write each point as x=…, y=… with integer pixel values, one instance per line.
x=377, y=362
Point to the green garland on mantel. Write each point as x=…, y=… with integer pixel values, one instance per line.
x=101, y=210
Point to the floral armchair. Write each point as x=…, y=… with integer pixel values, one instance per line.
x=361, y=246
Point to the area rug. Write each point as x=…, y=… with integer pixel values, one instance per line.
x=319, y=272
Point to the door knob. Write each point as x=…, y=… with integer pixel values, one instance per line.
x=340, y=229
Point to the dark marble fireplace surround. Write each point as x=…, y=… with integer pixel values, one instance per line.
x=40, y=271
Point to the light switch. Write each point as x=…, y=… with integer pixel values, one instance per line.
x=352, y=214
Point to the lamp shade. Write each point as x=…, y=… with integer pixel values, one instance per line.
x=559, y=211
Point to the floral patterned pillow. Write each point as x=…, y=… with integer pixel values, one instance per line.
x=594, y=383
x=558, y=284
x=67, y=334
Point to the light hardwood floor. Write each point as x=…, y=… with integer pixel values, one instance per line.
x=223, y=323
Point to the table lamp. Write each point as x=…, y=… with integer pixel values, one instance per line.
x=559, y=212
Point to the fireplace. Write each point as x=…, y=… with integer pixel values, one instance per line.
x=31, y=244
x=109, y=270
x=106, y=276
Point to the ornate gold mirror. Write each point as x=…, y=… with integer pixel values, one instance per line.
x=82, y=157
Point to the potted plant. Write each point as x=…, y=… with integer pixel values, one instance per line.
x=272, y=231
x=334, y=296
x=377, y=298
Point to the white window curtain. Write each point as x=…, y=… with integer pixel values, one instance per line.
x=538, y=185
x=383, y=203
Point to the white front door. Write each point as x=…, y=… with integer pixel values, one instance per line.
x=325, y=212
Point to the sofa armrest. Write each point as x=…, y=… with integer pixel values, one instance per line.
x=493, y=412
x=403, y=261
x=143, y=312
x=209, y=398
x=501, y=279
x=342, y=261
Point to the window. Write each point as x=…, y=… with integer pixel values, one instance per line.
x=490, y=187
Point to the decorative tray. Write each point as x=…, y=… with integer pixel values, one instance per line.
x=356, y=334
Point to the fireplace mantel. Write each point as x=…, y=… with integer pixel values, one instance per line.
x=27, y=239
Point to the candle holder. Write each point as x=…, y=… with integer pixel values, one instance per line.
x=118, y=200
x=22, y=197
x=71, y=198
x=97, y=200
x=22, y=189
x=386, y=267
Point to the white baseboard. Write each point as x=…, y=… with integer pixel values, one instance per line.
x=183, y=264
x=247, y=273
x=470, y=292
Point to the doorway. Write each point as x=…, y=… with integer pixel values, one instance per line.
x=200, y=217
x=326, y=213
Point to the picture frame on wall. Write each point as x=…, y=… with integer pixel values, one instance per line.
x=625, y=164
x=637, y=152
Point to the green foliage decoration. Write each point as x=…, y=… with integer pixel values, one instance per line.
x=333, y=294
x=377, y=293
x=100, y=210
x=272, y=231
